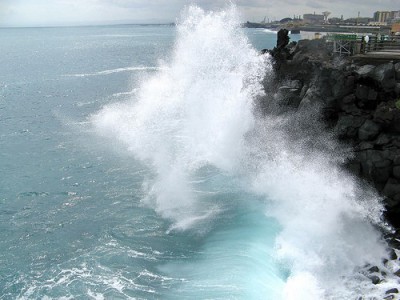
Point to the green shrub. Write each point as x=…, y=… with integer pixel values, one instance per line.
x=397, y=104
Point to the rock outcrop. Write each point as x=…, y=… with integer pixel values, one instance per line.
x=360, y=103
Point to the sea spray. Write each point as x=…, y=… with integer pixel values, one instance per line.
x=194, y=124
x=326, y=221
x=194, y=112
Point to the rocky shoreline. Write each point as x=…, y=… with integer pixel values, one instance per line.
x=358, y=103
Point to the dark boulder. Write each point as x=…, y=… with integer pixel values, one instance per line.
x=375, y=279
x=397, y=88
x=395, y=124
x=383, y=140
x=367, y=96
x=283, y=39
x=348, y=105
x=381, y=171
x=392, y=188
x=348, y=125
x=368, y=131
x=385, y=75
x=392, y=255
x=384, y=113
x=397, y=71
x=373, y=269
x=396, y=172
x=397, y=273
x=392, y=291
x=365, y=71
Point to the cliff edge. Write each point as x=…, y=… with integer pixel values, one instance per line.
x=360, y=105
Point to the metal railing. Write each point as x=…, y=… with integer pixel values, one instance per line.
x=352, y=44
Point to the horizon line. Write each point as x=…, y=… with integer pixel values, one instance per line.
x=88, y=25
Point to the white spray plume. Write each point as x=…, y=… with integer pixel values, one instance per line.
x=197, y=111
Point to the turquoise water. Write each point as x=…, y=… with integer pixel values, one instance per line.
x=71, y=220
x=130, y=170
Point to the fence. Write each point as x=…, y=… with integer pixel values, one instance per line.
x=352, y=44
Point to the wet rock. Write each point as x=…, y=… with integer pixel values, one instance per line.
x=390, y=297
x=396, y=160
x=368, y=131
x=395, y=243
x=349, y=99
x=393, y=255
x=396, y=172
x=391, y=188
x=362, y=92
x=381, y=171
x=365, y=71
x=365, y=146
x=348, y=125
x=348, y=104
x=373, y=269
x=397, y=71
x=397, y=89
x=397, y=273
x=289, y=96
x=383, y=114
x=385, y=75
x=392, y=291
x=313, y=50
x=348, y=85
x=375, y=279
x=395, y=124
x=311, y=97
x=383, y=139
x=341, y=85
x=392, y=204
x=304, y=91
x=294, y=84
x=359, y=103
x=376, y=155
x=283, y=39
x=354, y=168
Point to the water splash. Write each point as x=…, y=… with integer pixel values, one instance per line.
x=193, y=113
x=193, y=123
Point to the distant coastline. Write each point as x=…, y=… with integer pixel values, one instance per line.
x=321, y=28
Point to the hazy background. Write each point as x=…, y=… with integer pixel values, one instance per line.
x=97, y=12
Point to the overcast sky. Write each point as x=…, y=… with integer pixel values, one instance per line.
x=77, y=12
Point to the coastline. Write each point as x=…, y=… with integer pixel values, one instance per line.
x=345, y=28
x=356, y=100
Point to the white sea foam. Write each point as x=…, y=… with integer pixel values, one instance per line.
x=197, y=111
x=193, y=112
x=121, y=94
x=113, y=71
x=269, y=31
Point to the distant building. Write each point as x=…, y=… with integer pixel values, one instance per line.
x=335, y=20
x=359, y=20
x=313, y=18
x=285, y=20
x=377, y=23
x=396, y=28
x=395, y=17
x=382, y=16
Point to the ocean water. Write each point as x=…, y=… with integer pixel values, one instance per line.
x=134, y=166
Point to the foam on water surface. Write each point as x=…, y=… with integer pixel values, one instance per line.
x=276, y=219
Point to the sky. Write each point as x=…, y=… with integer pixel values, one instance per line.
x=93, y=12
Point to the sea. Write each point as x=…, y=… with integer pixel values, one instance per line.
x=134, y=165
